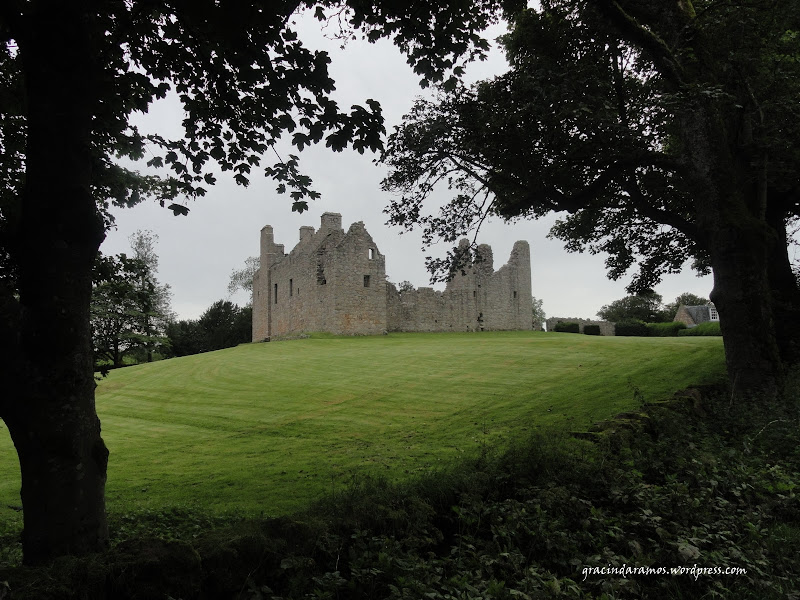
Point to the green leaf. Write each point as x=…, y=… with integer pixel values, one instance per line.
x=178, y=209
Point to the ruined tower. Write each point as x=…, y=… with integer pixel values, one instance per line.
x=335, y=281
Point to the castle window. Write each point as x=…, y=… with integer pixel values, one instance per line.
x=371, y=253
x=366, y=280
x=515, y=294
x=276, y=293
x=474, y=293
x=291, y=289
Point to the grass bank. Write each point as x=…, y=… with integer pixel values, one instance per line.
x=264, y=429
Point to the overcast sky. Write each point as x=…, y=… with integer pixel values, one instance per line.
x=198, y=252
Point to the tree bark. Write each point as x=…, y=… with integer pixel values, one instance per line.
x=742, y=295
x=51, y=415
x=784, y=286
x=730, y=216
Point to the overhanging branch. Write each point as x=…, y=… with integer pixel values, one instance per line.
x=636, y=33
x=646, y=209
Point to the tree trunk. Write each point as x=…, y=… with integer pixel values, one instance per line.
x=51, y=416
x=730, y=212
x=784, y=288
x=739, y=258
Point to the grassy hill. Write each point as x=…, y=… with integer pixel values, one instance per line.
x=265, y=428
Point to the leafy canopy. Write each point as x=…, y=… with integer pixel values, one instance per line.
x=244, y=79
x=594, y=121
x=644, y=307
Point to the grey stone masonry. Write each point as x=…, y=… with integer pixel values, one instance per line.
x=335, y=281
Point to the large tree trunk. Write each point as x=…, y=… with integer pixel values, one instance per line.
x=731, y=205
x=51, y=415
x=783, y=285
x=742, y=296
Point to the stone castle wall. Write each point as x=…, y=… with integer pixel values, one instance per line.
x=478, y=299
x=336, y=282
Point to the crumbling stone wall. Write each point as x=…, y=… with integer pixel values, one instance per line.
x=477, y=299
x=606, y=327
x=336, y=282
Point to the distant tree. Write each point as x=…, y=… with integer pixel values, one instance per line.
x=152, y=299
x=688, y=299
x=185, y=337
x=242, y=279
x=405, y=286
x=222, y=325
x=114, y=308
x=130, y=309
x=243, y=325
x=538, y=314
x=644, y=307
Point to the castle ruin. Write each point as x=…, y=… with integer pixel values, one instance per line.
x=335, y=281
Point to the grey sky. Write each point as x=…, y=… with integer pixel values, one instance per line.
x=197, y=253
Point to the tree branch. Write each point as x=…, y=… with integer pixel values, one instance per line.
x=645, y=208
x=634, y=32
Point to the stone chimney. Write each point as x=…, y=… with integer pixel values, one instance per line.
x=306, y=232
x=331, y=221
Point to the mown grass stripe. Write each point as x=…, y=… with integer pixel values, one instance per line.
x=265, y=428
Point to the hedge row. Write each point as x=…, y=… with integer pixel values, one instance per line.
x=571, y=327
x=567, y=327
x=631, y=329
x=708, y=328
x=642, y=329
x=670, y=329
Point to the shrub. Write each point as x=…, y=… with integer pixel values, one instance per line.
x=631, y=328
x=567, y=327
x=707, y=328
x=591, y=329
x=670, y=329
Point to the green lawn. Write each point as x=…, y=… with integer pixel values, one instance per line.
x=265, y=428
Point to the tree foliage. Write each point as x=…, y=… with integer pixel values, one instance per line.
x=647, y=307
x=538, y=313
x=659, y=131
x=222, y=325
x=130, y=308
x=242, y=279
x=644, y=307
x=152, y=310
x=114, y=317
